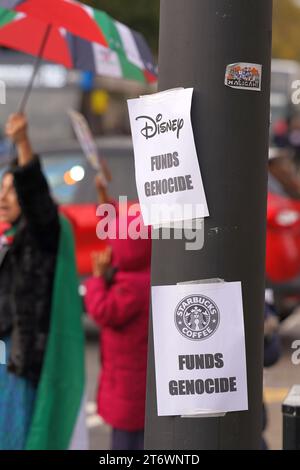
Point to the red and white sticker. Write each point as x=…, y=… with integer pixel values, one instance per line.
x=244, y=76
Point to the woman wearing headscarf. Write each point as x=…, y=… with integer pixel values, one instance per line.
x=39, y=309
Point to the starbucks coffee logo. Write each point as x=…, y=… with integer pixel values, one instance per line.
x=197, y=317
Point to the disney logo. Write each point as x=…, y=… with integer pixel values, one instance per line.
x=155, y=126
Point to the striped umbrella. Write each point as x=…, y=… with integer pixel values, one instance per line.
x=73, y=16
x=76, y=36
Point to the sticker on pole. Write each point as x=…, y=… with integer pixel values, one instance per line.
x=244, y=76
x=199, y=345
x=168, y=177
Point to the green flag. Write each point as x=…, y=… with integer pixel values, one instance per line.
x=61, y=387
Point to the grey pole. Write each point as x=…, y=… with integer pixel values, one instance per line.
x=198, y=38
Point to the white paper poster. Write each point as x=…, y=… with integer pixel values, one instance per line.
x=167, y=171
x=85, y=138
x=199, y=344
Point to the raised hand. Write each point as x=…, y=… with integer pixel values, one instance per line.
x=101, y=261
x=16, y=130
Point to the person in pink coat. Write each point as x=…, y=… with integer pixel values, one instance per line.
x=117, y=299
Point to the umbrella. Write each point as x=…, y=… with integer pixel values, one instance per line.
x=73, y=16
x=118, y=51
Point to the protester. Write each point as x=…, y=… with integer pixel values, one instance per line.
x=294, y=138
x=117, y=299
x=283, y=173
x=41, y=388
x=284, y=157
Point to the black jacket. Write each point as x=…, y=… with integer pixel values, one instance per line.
x=27, y=273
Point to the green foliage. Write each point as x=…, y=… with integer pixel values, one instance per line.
x=286, y=29
x=141, y=15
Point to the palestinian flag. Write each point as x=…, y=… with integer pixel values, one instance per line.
x=81, y=37
x=128, y=55
x=58, y=420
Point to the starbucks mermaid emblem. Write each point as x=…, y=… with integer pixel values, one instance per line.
x=197, y=317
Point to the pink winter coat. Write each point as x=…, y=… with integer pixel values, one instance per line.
x=121, y=312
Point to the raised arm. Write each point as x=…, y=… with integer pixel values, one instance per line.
x=113, y=305
x=34, y=197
